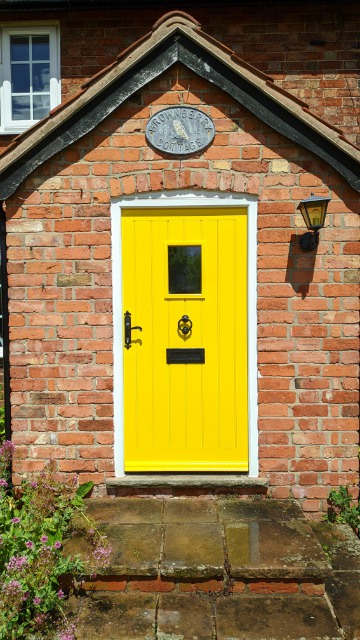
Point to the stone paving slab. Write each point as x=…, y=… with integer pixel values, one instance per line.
x=340, y=544
x=286, y=549
x=126, y=511
x=343, y=590
x=114, y=616
x=127, y=616
x=275, y=618
x=231, y=510
x=182, y=510
x=184, y=617
x=192, y=551
x=136, y=549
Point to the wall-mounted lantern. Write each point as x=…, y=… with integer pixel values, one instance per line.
x=313, y=211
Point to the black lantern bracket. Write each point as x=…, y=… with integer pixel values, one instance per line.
x=309, y=241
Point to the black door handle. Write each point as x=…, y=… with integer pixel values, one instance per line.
x=128, y=329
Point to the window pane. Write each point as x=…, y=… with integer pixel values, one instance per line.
x=40, y=48
x=41, y=76
x=41, y=106
x=19, y=48
x=184, y=269
x=20, y=78
x=21, y=108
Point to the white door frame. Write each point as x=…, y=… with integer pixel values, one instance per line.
x=184, y=199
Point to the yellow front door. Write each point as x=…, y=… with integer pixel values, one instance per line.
x=185, y=373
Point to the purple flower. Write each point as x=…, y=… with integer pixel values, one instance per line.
x=36, y=600
x=57, y=545
x=60, y=594
x=15, y=520
x=29, y=544
x=17, y=562
x=7, y=446
x=40, y=617
x=102, y=552
x=44, y=538
x=12, y=587
x=3, y=483
x=68, y=633
x=7, y=450
x=33, y=484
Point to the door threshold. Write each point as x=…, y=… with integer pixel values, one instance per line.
x=186, y=480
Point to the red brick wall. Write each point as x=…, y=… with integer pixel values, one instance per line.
x=61, y=298
x=277, y=39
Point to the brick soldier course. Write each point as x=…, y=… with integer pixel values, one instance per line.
x=60, y=278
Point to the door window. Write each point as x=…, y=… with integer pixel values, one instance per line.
x=184, y=269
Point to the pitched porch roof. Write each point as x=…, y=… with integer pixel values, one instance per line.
x=176, y=37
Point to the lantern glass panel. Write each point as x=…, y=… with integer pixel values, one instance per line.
x=316, y=214
x=304, y=214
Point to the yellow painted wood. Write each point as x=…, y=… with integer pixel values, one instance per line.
x=186, y=417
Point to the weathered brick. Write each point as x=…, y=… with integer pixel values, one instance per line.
x=105, y=583
x=273, y=586
x=208, y=586
x=313, y=588
x=73, y=280
x=75, y=438
x=352, y=275
x=46, y=398
x=157, y=585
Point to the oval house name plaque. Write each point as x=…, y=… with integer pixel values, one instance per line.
x=180, y=130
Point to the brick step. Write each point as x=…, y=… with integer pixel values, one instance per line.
x=219, y=586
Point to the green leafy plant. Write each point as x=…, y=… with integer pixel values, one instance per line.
x=343, y=509
x=35, y=520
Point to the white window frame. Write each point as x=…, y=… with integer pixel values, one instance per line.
x=7, y=125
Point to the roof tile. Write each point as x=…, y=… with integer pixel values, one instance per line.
x=174, y=14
